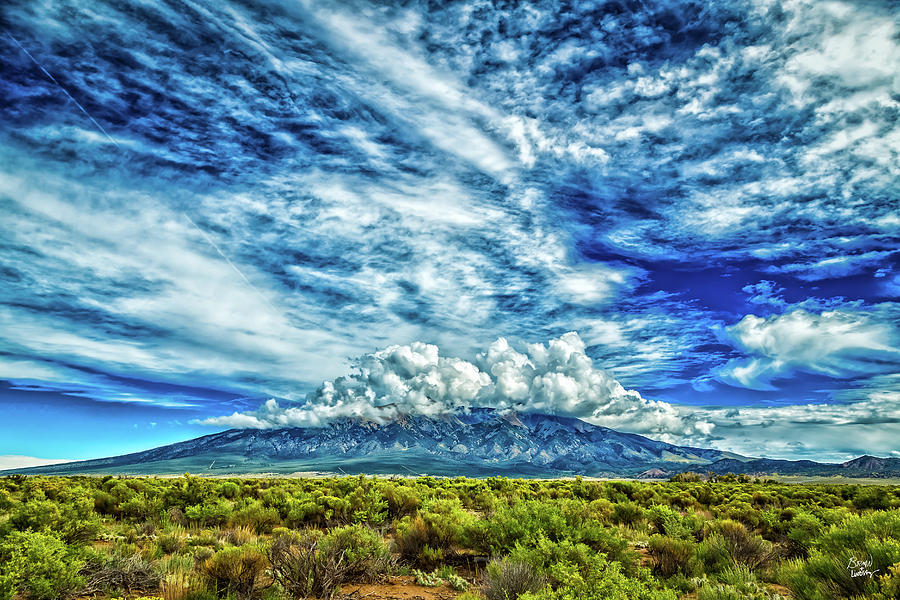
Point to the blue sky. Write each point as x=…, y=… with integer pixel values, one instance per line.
x=674, y=218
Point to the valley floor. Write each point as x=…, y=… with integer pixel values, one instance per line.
x=191, y=538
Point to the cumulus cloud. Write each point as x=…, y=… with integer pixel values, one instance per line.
x=554, y=378
x=559, y=378
x=837, y=343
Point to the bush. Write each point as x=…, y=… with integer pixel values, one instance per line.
x=601, y=580
x=119, y=573
x=671, y=556
x=364, y=555
x=260, y=519
x=311, y=564
x=712, y=554
x=744, y=547
x=627, y=513
x=39, y=566
x=235, y=571
x=508, y=579
x=670, y=522
x=74, y=522
x=419, y=542
x=169, y=543
x=804, y=530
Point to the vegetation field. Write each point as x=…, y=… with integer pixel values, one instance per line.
x=192, y=538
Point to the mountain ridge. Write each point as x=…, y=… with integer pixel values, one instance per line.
x=478, y=442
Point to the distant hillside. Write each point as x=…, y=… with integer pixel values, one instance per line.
x=478, y=443
x=864, y=466
x=482, y=442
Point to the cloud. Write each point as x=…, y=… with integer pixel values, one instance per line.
x=553, y=378
x=765, y=292
x=835, y=266
x=17, y=461
x=451, y=173
x=559, y=378
x=839, y=343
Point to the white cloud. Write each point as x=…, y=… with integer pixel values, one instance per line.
x=834, y=266
x=838, y=343
x=17, y=461
x=555, y=378
x=559, y=378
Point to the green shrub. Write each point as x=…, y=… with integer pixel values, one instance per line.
x=744, y=547
x=420, y=542
x=508, y=579
x=260, y=519
x=670, y=522
x=310, y=564
x=602, y=580
x=827, y=573
x=235, y=571
x=627, y=513
x=365, y=557
x=169, y=543
x=39, y=566
x=74, y=522
x=672, y=555
x=713, y=554
x=805, y=528
x=212, y=514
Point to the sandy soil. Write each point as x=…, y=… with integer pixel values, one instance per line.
x=397, y=588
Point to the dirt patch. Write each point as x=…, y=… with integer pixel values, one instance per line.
x=645, y=557
x=402, y=587
x=780, y=589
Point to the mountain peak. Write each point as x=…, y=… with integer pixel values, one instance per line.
x=472, y=442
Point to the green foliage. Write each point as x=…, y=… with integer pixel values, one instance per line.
x=743, y=547
x=364, y=553
x=445, y=574
x=74, y=521
x=627, y=513
x=509, y=579
x=38, y=565
x=209, y=514
x=839, y=560
x=672, y=555
x=672, y=523
x=236, y=571
x=429, y=536
x=313, y=564
x=805, y=528
x=722, y=537
x=600, y=580
x=257, y=517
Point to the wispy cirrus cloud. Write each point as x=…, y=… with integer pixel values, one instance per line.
x=386, y=175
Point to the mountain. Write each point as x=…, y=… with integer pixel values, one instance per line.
x=864, y=466
x=481, y=442
x=477, y=443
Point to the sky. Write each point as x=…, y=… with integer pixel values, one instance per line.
x=674, y=218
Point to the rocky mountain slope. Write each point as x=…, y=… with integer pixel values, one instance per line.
x=480, y=442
